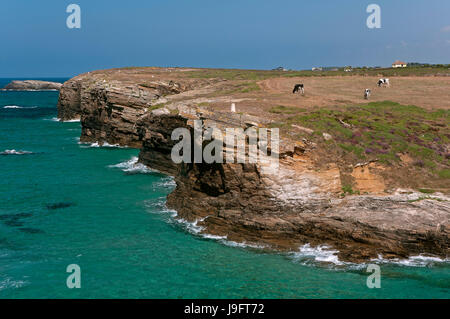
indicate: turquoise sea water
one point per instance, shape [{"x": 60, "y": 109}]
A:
[{"x": 68, "y": 203}]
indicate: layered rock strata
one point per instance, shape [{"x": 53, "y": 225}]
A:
[{"x": 279, "y": 208}]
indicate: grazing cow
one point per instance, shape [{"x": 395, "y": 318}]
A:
[
  {"x": 367, "y": 93},
  {"x": 384, "y": 82},
  {"x": 299, "y": 87}
]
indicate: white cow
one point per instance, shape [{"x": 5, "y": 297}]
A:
[
  {"x": 299, "y": 88},
  {"x": 384, "y": 81},
  {"x": 367, "y": 93}
]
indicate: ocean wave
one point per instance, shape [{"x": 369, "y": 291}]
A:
[
  {"x": 132, "y": 166},
  {"x": 10, "y": 283},
  {"x": 307, "y": 255},
  {"x": 413, "y": 261},
  {"x": 191, "y": 227},
  {"x": 55, "y": 119},
  {"x": 166, "y": 182},
  {"x": 158, "y": 206},
  {"x": 195, "y": 229},
  {"x": 323, "y": 254},
  {"x": 19, "y": 107},
  {"x": 320, "y": 254},
  {"x": 97, "y": 144},
  {"x": 14, "y": 152}
]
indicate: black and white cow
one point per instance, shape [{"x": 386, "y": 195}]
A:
[
  {"x": 299, "y": 88},
  {"x": 367, "y": 93},
  {"x": 384, "y": 82}
]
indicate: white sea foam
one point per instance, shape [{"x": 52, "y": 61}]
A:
[
  {"x": 319, "y": 254},
  {"x": 191, "y": 227},
  {"x": 413, "y": 261},
  {"x": 326, "y": 255},
  {"x": 239, "y": 245},
  {"x": 14, "y": 152},
  {"x": 19, "y": 107},
  {"x": 166, "y": 182},
  {"x": 194, "y": 228},
  {"x": 158, "y": 206},
  {"x": 307, "y": 255},
  {"x": 55, "y": 119},
  {"x": 10, "y": 283},
  {"x": 97, "y": 144},
  {"x": 132, "y": 166},
  {"x": 70, "y": 121}
]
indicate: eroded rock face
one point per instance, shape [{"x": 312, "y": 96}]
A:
[
  {"x": 282, "y": 208},
  {"x": 295, "y": 205},
  {"x": 109, "y": 110},
  {"x": 34, "y": 85},
  {"x": 69, "y": 101}
]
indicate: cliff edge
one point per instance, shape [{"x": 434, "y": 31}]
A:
[{"x": 306, "y": 200}]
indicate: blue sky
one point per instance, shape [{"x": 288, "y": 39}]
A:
[{"x": 263, "y": 34}]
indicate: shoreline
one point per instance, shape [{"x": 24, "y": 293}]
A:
[
  {"x": 307, "y": 255},
  {"x": 242, "y": 202}
]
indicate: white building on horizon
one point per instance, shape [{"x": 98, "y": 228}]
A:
[{"x": 399, "y": 64}]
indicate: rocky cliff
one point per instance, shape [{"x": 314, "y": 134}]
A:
[
  {"x": 32, "y": 85},
  {"x": 300, "y": 202}
]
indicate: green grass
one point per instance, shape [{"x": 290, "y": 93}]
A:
[
  {"x": 381, "y": 130},
  {"x": 245, "y": 87},
  {"x": 445, "y": 173},
  {"x": 156, "y": 106},
  {"x": 258, "y": 75},
  {"x": 426, "y": 191},
  {"x": 348, "y": 190},
  {"x": 281, "y": 109},
  {"x": 249, "y": 87},
  {"x": 233, "y": 74},
  {"x": 426, "y": 197}
]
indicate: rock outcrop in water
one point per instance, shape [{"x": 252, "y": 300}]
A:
[
  {"x": 282, "y": 209},
  {"x": 32, "y": 85}
]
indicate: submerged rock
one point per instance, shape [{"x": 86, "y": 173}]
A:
[
  {"x": 13, "y": 223},
  {"x": 29, "y": 230},
  {"x": 61, "y": 205}
]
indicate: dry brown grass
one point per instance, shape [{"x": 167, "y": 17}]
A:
[{"x": 427, "y": 92}]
